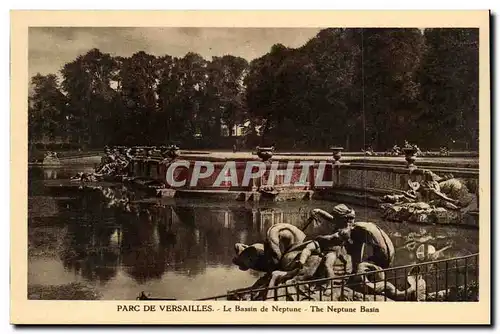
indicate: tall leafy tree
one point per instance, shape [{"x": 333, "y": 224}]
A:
[
  {"x": 225, "y": 93},
  {"x": 138, "y": 91},
  {"x": 449, "y": 78},
  {"x": 336, "y": 55},
  {"x": 264, "y": 90},
  {"x": 391, "y": 58},
  {"x": 47, "y": 109},
  {"x": 310, "y": 95},
  {"x": 86, "y": 80},
  {"x": 189, "y": 76},
  {"x": 167, "y": 89}
]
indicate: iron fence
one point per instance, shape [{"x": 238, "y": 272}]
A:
[{"x": 455, "y": 279}]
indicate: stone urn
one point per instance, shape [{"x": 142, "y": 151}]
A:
[
  {"x": 265, "y": 153},
  {"x": 172, "y": 152},
  {"x": 337, "y": 154},
  {"x": 156, "y": 154},
  {"x": 149, "y": 152},
  {"x": 132, "y": 151},
  {"x": 410, "y": 156},
  {"x": 140, "y": 152}
]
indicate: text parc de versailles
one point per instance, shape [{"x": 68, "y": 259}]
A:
[{"x": 238, "y": 308}]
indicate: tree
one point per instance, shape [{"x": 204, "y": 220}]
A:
[
  {"x": 336, "y": 55},
  {"x": 86, "y": 81},
  {"x": 263, "y": 95},
  {"x": 391, "y": 58},
  {"x": 183, "y": 93},
  {"x": 47, "y": 109},
  {"x": 139, "y": 79},
  {"x": 225, "y": 93},
  {"x": 309, "y": 95},
  {"x": 167, "y": 89},
  {"x": 450, "y": 87}
]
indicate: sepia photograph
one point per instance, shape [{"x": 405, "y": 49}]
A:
[{"x": 335, "y": 164}]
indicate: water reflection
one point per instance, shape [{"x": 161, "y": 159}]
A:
[
  {"x": 87, "y": 250},
  {"x": 37, "y": 176},
  {"x": 63, "y": 172},
  {"x": 181, "y": 244},
  {"x": 50, "y": 173}
]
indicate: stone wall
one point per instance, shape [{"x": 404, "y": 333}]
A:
[
  {"x": 360, "y": 176},
  {"x": 351, "y": 183},
  {"x": 354, "y": 177}
]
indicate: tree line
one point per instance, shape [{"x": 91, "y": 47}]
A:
[{"x": 349, "y": 87}]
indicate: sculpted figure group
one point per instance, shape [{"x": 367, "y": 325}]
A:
[
  {"x": 430, "y": 200},
  {"x": 116, "y": 161},
  {"x": 51, "y": 158},
  {"x": 288, "y": 256},
  {"x": 397, "y": 150}
]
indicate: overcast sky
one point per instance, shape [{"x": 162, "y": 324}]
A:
[{"x": 51, "y": 48}]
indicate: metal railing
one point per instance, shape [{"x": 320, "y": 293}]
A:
[{"x": 455, "y": 279}]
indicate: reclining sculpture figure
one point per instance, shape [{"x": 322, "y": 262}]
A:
[
  {"x": 429, "y": 200},
  {"x": 416, "y": 290}
]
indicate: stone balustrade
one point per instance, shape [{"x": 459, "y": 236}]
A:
[
  {"x": 331, "y": 177},
  {"x": 359, "y": 176}
]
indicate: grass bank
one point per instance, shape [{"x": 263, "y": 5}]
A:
[{"x": 71, "y": 291}]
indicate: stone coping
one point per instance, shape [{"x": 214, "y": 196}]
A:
[
  {"x": 468, "y": 154},
  {"x": 457, "y": 172},
  {"x": 442, "y": 168},
  {"x": 420, "y": 162},
  {"x": 471, "y": 162},
  {"x": 466, "y": 161}
]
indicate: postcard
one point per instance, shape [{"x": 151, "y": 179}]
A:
[{"x": 250, "y": 167}]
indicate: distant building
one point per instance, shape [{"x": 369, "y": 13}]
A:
[{"x": 237, "y": 130}]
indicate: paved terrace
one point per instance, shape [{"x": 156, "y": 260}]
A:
[{"x": 456, "y": 159}]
